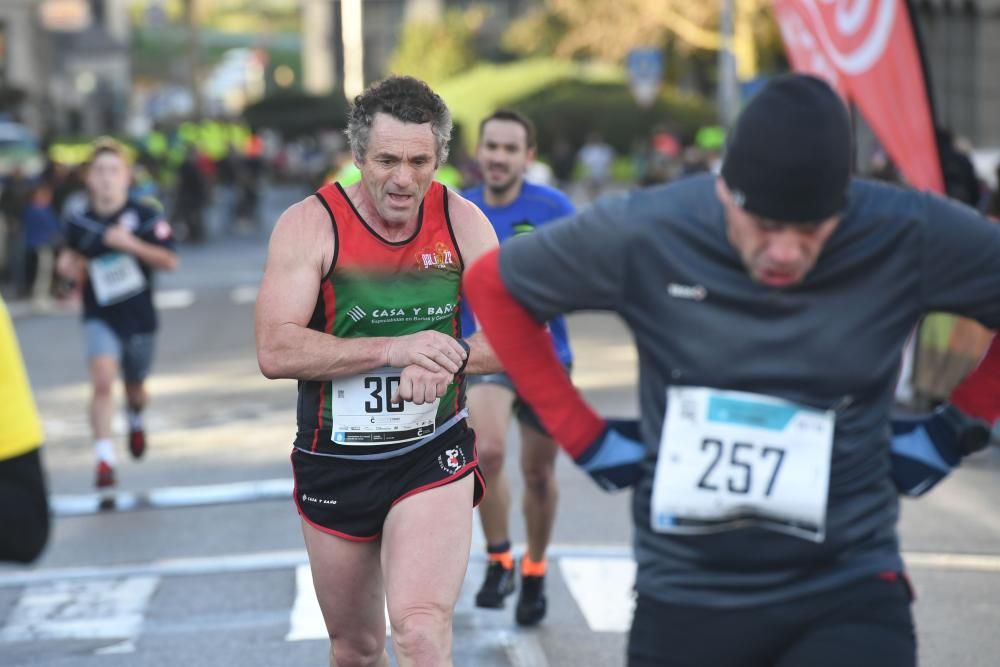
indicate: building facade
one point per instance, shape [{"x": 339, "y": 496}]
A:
[
  {"x": 961, "y": 40},
  {"x": 58, "y": 74}
]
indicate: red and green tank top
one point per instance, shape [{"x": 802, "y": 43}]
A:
[{"x": 377, "y": 287}]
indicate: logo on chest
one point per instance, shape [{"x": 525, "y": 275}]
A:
[
  {"x": 377, "y": 315},
  {"x": 440, "y": 256},
  {"x": 689, "y": 292}
]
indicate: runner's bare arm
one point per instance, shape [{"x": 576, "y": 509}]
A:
[
  {"x": 70, "y": 264},
  {"x": 299, "y": 255},
  {"x": 119, "y": 237},
  {"x": 475, "y": 236}
]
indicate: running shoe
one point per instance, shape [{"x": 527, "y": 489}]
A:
[
  {"x": 105, "y": 478},
  {"x": 499, "y": 583},
  {"x": 137, "y": 443},
  {"x": 531, "y": 603}
]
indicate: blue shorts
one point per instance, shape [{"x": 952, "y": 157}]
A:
[
  {"x": 134, "y": 353},
  {"x": 521, "y": 410}
]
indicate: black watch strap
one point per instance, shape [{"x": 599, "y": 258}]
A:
[{"x": 468, "y": 353}]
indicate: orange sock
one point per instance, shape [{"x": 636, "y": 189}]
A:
[
  {"x": 505, "y": 558},
  {"x": 530, "y": 568}
]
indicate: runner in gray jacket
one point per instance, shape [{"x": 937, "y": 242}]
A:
[{"x": 769, "y": 306}]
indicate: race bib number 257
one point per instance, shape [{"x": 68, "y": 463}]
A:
[{"x": 734, "y": 459}]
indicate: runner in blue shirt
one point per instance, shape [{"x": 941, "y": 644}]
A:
[{"x": 514, "y": 207}]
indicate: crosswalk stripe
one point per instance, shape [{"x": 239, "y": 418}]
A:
[
  {"x": 602, "y": 589},
  {"x": 244, "y": 294},
  {"x": 95, "y": 609},
  {"x": 306, "y": 619},
  {"x": 173, "y": 299}
]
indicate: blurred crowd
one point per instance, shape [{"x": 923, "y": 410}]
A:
[
  {"x": 209, "y": 181},
  {"x": 962, "y": 182}
]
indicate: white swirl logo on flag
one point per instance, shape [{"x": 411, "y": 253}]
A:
[
  {"x": 806, "y": 52},
  {"x": 858, "y": 33}
]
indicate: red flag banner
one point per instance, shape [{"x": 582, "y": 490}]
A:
[{"x": 867, "y": 50}]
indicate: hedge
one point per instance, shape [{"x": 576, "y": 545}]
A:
[{"x": 573, "y": 109}]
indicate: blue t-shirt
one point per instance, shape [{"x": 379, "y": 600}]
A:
[{"x": 534, "y": 207}]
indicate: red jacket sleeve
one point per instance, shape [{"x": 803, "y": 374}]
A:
[
  {"x": 526, "y": 352},
  {"x": 978, "y": 395}
]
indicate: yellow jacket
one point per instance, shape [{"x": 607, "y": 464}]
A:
[{"x": 20, "y": 427}]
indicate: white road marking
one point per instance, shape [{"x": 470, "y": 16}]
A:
[
  {"x": 127, "y": 646},
  {"x": 253, "y": 562},
  {"x": 602, "y": 588},
  {"x": 306, "y": 619},
  {"x": 95, "y": 609},
  {"x": 175, "y": 496},
  {"x": 523, "y": 649},
  {"x": 244, "y": 294},
  {"x": 619, "y": 555},
  {"x": 173, "y": 299},
  {"x": 258, "y": 562},
  {"x": 944, "y": 561}
]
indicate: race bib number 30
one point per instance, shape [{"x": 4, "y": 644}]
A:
[
  {"x": 363, "y": 413},
  {"x": 115, "y": 277},
  {"x": 733, "y": 459}
]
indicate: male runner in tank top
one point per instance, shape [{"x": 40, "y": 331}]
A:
[{"x": 360, "y": 303}]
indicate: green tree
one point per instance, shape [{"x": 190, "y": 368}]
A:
[{"x": 436, "y": 51}]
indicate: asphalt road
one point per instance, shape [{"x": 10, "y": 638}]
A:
[{"x": 204, "y": 563}]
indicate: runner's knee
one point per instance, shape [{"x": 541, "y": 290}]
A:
[
  {"x": 422, "y": 632},
  {"x": 103, "y": 385},
  {"x": 491, "y": 455},
  {"x": 539, "y": 479},
  {"x": 364, "y": 650}
]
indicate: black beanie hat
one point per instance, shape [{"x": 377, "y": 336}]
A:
[{"x": 789, "y": 156}]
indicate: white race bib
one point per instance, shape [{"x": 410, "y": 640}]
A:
[
  {"x": 732, "y": 459},
  {"x": 115, "y": 277},
  {"x": 363, "y": 415}
]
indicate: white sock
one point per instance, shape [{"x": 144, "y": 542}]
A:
[
  {"x": 134, "y": 420},
  {"x": 105, "y": 451}
]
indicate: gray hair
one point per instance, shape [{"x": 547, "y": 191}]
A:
[{"x": 404, "y": 98}]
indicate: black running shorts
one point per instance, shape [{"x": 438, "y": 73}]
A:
[
  {"x": 866, "y": 623},
  {"x": 351, "y": 498}
]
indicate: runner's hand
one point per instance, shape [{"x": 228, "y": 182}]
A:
[
  {"x": 432, "y": 350},
  {"x": 419, "y": 385},
  {"x": 613, "y": 459},
  {"x": 118, "y": 237},
  {"x": 924, "y": 450}
]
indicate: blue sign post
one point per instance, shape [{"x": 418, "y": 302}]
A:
[{"x": 645, "y": 74}]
